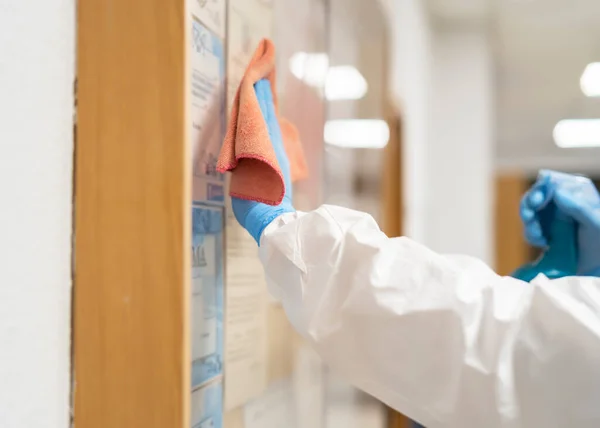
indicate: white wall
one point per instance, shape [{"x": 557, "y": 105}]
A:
[
  {"x": 460, "y": 150},
  {"x": 410, "y": 81},
  {"x": 557, "y": 44},
  {"x": 36, "y": 152},
  {"x": 442, "y": 80}
]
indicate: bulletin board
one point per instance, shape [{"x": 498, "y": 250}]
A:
[
  {"x": 249, "y": 369},
  {"x": 173, "y": 325}
]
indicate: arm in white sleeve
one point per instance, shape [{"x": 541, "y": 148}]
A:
[{"x": 442, "y": 339}]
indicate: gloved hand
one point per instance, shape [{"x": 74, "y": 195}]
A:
[
  {"x": 574, "y": 197},
  {"x": 256, "y": 216}
]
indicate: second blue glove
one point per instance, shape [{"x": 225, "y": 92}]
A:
[{"x": 576, "y": 198}]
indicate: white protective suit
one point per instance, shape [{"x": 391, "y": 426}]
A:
[{"x": 441, "y": 338}]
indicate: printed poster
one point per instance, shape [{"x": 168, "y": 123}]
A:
[
  {"x": 211, "y": 13},
  {"x": 208, "y": 120},
  {"x": 207, "y": 294},
  {"x": 208, "y": 94},
  {"x": 207, "y": 406},
  {"x": 249, "y": 22},
  {"x": 246, "y": 319}
]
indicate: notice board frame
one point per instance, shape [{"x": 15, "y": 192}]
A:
[{"x": 132, "y": 216}]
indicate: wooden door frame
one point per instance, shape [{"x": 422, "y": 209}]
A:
[
  {"x": 393, "y": 206},
  {"x": 132, "y": 216},
  {"x": 511, "y": 249}
]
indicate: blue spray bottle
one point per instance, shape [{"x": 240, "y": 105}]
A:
[{"x": 559, "y": 259}]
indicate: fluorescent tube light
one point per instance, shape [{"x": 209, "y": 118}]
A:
[
  {"x": 577, "y": 133},
  {"x": 590, "y": 80},
  {"x": 357, "y": 133},
  {"x": 343, "y": 82}
]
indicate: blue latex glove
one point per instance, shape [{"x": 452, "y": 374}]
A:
[
  {"x": 573, "y": 197},
  {"x": 256, "y": 216}
]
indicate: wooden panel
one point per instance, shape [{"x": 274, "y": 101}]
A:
[
  {"x": 392, "y": 201},
  {"x": 396, "y": 420},
  {"x": 132, "y": 216},
  {"x": 391, "y": 183},
  {"x": 511, "y": 248}
]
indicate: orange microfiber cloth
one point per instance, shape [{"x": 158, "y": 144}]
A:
[{"x": 247, "y": 150}]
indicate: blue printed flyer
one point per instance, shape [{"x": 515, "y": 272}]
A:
[
  {"x": 208, "y": 113},
  {"x": 207, "y": 406},
  {"x": 207, "y": 294}
]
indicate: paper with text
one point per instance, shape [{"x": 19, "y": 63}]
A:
[{"x": 207, "y": 406}]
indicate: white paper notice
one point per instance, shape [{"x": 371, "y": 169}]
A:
[
  {"x": 273, "y": 409},
  {"x": 249, "y": 22},
  {"x": 211, "y": 13},
  {"x": 207, "y": 111},
  {"x": 245, "y": 319},
  {"x": 207, "y": 406},
  {"x": 207, "y": 294},
  {"x": 309, "y": 393}
]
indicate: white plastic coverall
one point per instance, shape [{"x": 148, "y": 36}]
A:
[{"x": 441, "y": 338}]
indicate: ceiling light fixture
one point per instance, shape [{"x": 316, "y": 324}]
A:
[
  {"x": 310, "y": 67},
  {"x": 343, "y": 82},
  {"x": 357, "y": 133},
  {"x": 577, "y": 133},
  {"x": 590, "y": 80}
]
